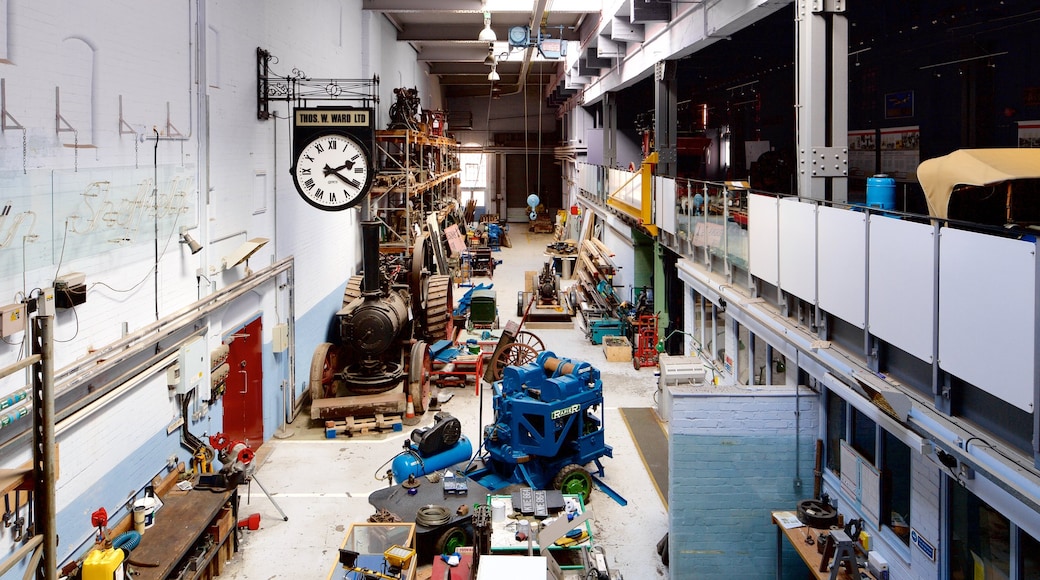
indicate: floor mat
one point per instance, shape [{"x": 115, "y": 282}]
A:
[{"x": 652, "y": 444}]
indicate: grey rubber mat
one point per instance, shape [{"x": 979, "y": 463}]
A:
[{"x": 652, "y": 442}]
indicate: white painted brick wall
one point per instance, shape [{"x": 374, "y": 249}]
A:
[
  {"x": 143, "y": 52},
  {"x": 712, "y": 411}
]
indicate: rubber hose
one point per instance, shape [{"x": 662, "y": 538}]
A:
[{"x": 127, "y": 541}]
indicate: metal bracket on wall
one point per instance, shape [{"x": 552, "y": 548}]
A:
[
  {"x": 297, "y": 86},
  {"x": 124, "y": 127},
  {"x": 171, "y": 131},
  {"x": 14, "y": 124}
]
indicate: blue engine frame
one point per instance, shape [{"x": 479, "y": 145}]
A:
[{"x": 548, "y": 415}]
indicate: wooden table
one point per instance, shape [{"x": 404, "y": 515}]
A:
[
  {"x": 808, "y": 552},
  {"x": 185, "y": 518}
]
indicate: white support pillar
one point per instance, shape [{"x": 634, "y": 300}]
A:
[{"x": 822, "y": 106}]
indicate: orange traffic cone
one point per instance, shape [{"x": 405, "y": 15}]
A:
[{"x": 409, "y": 410}]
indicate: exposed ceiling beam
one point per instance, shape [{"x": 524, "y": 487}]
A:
[
  {"x": 468, "y": 33},
  {"x": 473, "y": 6}
]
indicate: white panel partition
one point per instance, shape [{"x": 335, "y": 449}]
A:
[
  {"x": 843, "y": 264},
  {"x": 763, "y": 258},
  {"x": 664, "y": 196},
  {"x": 901, "y": 292},
  {"x": 987, "y": 294},
  {"x": 798, "y": 248}
]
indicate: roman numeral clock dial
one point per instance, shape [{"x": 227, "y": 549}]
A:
[{"x": 332, "y": 172}]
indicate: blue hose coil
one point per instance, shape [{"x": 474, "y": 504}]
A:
[{"x": 127, "y": 541}]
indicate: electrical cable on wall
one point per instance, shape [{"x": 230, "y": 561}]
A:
[{"x": 155, "y": 208}]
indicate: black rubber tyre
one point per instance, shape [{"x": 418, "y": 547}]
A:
[
  {"x": 816, "y": 514},
  {"x": 574, "y": 479},
  {"x": 451, "y": 539}
]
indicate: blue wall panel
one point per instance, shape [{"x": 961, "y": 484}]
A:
[{"x": 720, "y": 512}]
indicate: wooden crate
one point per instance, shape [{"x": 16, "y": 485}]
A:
[{"x": 617, "y": 349}]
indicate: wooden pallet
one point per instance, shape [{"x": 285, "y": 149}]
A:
[{"x": 380, "y": 423}]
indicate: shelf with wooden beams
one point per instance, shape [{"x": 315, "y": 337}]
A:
[{"x": 415, "y": 172}]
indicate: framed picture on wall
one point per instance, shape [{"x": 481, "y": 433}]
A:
[{"x": 899, "y": 105}]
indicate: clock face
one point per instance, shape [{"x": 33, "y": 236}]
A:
[{"x": 332, "y": 172}]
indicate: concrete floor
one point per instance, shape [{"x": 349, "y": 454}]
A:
[{"x": 322, "y": 485}]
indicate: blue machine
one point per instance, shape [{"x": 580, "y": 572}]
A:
[
  {"x": 431, "y": 449},
  {"x": 548, "y": 426},
  {"x": 602, "y": 327}
]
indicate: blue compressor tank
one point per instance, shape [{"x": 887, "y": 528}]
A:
[{"x": 407, "y": 464}]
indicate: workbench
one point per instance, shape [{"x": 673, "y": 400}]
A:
[
  {"x": 809, "y": 552},
  {"x": 459, "y": 370},
  {"x": 198, "y": 526},
  {"x": 503, "y": 533},
  {"x": 397, "y": 500}
]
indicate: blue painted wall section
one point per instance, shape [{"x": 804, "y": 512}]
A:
[
  {"x": 313, "y": 328},
  {"x": 720, "y": 514},
  {"x": 733, "y": 459}
]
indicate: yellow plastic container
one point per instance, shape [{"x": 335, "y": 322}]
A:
[{"x": 103, "y": 565}]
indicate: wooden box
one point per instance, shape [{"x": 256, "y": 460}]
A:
[{"x": 617, "y": 349}]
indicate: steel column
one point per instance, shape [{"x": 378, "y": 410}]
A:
[
  {"x": 822, "y": 107},
  {"x": 44, "y": 513},
  {"x": 665, "y": 106}
]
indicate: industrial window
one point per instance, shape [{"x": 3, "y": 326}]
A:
[
  {"x": 1030, "y": 550},
  {"x": 835, "y": 430},
  {"x": 895, "y": 485},
  {"x": 986, "y": 544},
  {"x": 864, "y": 435},
  {"x": 980, "y": 538},
  {"x": 872, "y": 464}
]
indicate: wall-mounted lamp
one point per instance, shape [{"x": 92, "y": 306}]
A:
[
  {"x": 490, "y": 58},
  {"x": 193, "y": 245},
  {"x": 661, "y": 343},
  {"x": 243, "y": 252},
  {"x": 487, "y": 34},
  {"x": 493, "y": 75}
]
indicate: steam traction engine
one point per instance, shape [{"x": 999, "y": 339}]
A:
[{"x": 387, "y": 312}]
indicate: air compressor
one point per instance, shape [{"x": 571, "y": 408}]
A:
[{"x": 431, "y": 449}]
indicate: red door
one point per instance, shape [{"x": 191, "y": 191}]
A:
[{"x": 243, "y": 395}]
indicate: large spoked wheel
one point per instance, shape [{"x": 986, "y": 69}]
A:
[
  {"x": 451, "y": 540},
  {"x": 423, "y": 266},
  {"x": 513, "y": 354},
  {"x": 324, "y": 366},
  {"x": 530, "y": 339},
  {"x": 438, "y": 309},
  {"x": 420, "y": 365},
  {"x": 575, "y": 480}
]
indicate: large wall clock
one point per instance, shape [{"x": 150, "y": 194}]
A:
[{"x": 332, "y": 167}]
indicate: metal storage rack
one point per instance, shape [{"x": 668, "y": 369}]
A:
[{"x": 417, "y": 174}]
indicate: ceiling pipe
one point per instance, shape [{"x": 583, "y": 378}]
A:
[{"x": 536, "y": 25}]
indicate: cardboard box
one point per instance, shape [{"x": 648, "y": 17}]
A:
[{"x": 617, "y": 349}]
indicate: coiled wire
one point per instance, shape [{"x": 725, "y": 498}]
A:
[{"x": 432, "y": 516}]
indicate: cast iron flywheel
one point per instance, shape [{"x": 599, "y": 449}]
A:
[{"x": 816, "y": 514}]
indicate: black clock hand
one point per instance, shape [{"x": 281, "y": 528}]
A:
[
  {"x": 347, "y": 165},
  {"x": 353, "y": 182}
]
